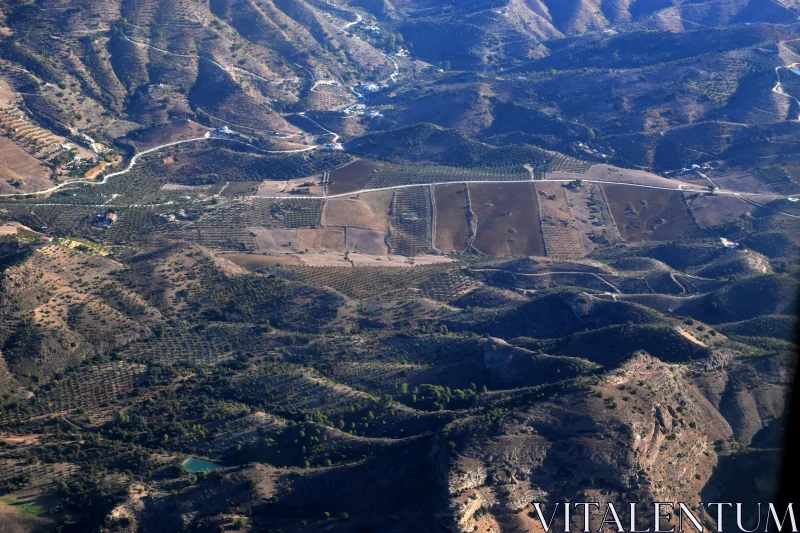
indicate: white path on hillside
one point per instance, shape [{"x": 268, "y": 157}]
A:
[
  {"x": 211, "y": 136},
  {"x": 358, "y": 19},
  {"x": 679, "y": 188},
  {"x": 538, "y": 274},
  {"x": 751, "y": 201},
  {"x": 396, "y": 73},
  {"x": 221, "y": 66},
  {"x": 739, "y": 194},
  {"x": 323, "y": 128},
  {"x": 132, "y": 163},
  {"x": 106, "y": 177},
  {"x": 778, "y": 88},
  {"x": 784, "y": 6}
]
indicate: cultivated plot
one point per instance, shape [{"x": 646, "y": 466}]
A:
[
  {"x": 508, "y": 219},
  {"x": 352, "y": 177},
  {"x": 649, "y": 214},
  {"x": 451, "y": 217}
]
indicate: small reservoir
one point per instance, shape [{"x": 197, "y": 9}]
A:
[{"x": 194, "y": 464}]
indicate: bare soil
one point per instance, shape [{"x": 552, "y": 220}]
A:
[
  {"x": 617, "y": 175},
  {"x": 21, "y": 167},
  {"x": 649, "y": 214},
  {"x": 739, "y": 180},
  {"x": 240, "y": 188},
  {"x": 452, "y": 228},
  {"x": 366, "y": 241},
  {"x": 365, "y": 211},
  {"x": 271, "y": 240},
  {"x": 153, "y": 137},
  {"x": 352, "y": 177},
  {"x": 713, "y": 210},
  {"x": 321, "y": 239},
  {"x": 253, "y": 262},
  {"x": 508, "y": 219},
  {"x": 7, "y": 94},
  {"x": 592, "y": 216},
  {"x": 278, "y": 188}
]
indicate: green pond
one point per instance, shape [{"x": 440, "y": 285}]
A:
[{"x": 194, "y": 464}]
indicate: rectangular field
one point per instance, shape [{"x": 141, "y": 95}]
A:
[
  {"x": 365, "y": 241},
  {"x": 451, "y": 229},
  {"x": 389, "y": 175},
  {"x": 562, "y": 239},
  {"x": 369, "y": 210},
  {"x": 508, "y": 219},
  {"x": 410, "y": 221},
  {"x": 592, "y": 216},
  {"x": 352, "y": 177},
  {"x": 649, "y": 214}
]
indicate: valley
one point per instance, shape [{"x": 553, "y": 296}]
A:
[{"x": 371, "y": 266}]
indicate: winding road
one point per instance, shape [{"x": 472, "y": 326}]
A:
[
  {"x": 132, "y": 163},
  {"x": 212, "y": 136},
  {"x": 778, "y": 88},
  {"x": 358, "y": 19}
]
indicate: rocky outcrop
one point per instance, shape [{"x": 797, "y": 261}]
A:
[{"x": 643, "y": 430}]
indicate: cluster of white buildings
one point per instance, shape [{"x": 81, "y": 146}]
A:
[
  {"x": 360, "y": 110},
  {"x": 593, "y": 151}
]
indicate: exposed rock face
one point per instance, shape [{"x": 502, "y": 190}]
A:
[{"x": 643, "y": 432}]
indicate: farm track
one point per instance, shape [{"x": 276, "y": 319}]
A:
[
  {"x": 778, "y": 88},
  {"x": 335, "y": 137},
  {"x": 191, "y": 56},
  {"x": 740, "y": 194},
  {"x": 542, "y": 274}
]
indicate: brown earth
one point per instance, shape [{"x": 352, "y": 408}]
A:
[
  {"x": 352, "y": 177},
  {"x": 649, "y": 214},
  {"x": 7, "y": 94},
  {"x": 253, "y": 262},
  {"x": 240, "y": 188},
  {"x": 713, "y": 210},
  {"x": 508, "y": 219},
  {"x": 365, "y": 211},
  {"x": 19, "y": 166},
  {"x": 163, "y": 134},
  {"x": 452, "y": 229},
  {"x": 280, "y": 188},
  {"x": 616, "y": 175},
  {"x": 321, "y": 239},
  {"x": 740, "y": 180},
  {"x": 366, "y": 241},
  {"x": 275, "y": 240},
  {"x": 590, "y": 210}
]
